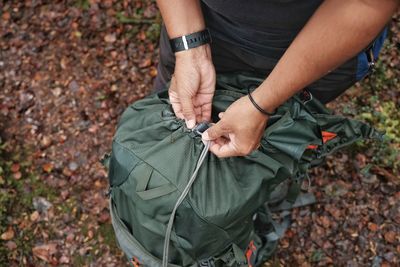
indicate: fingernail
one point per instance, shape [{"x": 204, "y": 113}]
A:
[
  {"x": 205, "y": 136},
  {"x": 190, "y": 123}
]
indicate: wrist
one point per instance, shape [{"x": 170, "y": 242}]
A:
[
  {"x": 201, "y": 53},
  {"x": 264, "y": 101}
]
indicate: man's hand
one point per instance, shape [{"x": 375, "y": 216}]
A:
[
  {"x": 193, "y": 85},
  {"x": 239, "y": 130}
]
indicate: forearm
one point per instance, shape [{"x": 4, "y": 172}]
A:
[
  {"x": 181, "y": 17},
  {"x": 336, "y": 32}
]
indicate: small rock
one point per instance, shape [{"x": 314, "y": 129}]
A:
[
  {"x": 73, "y": 166},
  {"x": 41, "y": 204}
]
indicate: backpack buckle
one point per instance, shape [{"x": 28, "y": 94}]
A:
[
  {"x": 201, "y": 128},
  {"x": 207, "y": 263},
  {"x": 305, "y": 96}
]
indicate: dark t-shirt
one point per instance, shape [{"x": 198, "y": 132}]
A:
[{"x": 253, "y": 35}]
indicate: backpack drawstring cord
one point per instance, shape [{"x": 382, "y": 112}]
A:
[{"x": 180, "y": 200}]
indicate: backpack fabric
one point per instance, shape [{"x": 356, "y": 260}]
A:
[{"x": 236, "y": 209}]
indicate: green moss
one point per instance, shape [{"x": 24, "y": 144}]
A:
[
  {"x": 107, "y": 232},
  {"x": 16, "y": 196}
]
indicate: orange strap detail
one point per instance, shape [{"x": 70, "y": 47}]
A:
[
  {"x": 326, "y": 136},
  {"x": 135, "y": 262},
  {"x": 250, "y": 250}
]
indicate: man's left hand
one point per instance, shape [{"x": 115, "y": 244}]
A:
[{"x": 239, "y": 130}]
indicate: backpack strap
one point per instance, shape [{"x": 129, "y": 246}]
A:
[{"x": 233, "y": 257}]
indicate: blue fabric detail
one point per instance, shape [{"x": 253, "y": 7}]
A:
[{"x": 362, "y": 61}]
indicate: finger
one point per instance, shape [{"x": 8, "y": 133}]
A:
[
  {"x": 225, "y": 150},
  {"x": 177, "y": 110},
  {"x": 174, "y": 100},
  {"x": 221, "y": 114},
  {"x": 206, "y": 112},
  {"x": 197, "y": 111},
  {"x": 215, "y": 131},
  {"x": 188, "y": 110}
]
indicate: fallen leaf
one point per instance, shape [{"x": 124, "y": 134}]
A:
[
  {"x": 325, "y": 221},
  {"x": 64, "y": 259},
  {"x": 145, "y": 63},
  {"x": 46, "y": 141},
  {"x": 34, "y": 216},
  {"x": 47, "y": 167},
  {"x": 15, "y": 167},
  {"x": 45, "y": 251},
  {"x": 110, "y": 38},
  {"x": 8, "y": 235},
  {"x": 390, "y": 236},
  {"x": 153, "y": 72},
  {"x": 17, "y": 175},
  {"x": 11, "y": 245},
  {"x": 373, "y": 227},
  {"x": 6, "y": 16}
]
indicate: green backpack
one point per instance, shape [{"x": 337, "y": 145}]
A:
[{"x": 175, "y": 204}]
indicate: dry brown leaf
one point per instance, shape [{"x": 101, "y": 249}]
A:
[
  {"x": 373, "y": 227},
  {"x": 15, "y": 167},
  {"x": 45, "y": 251},
  {"x": 10, "y": 245},
  {"x": 17, "y": 175},
  {"x": 110, "y": 38},
  {"x": 390, "y": 236},
  {"x": 34, "y": 216},
  {"x": 47, "y": 167},
  {"x": 8, "y": 235},
  {"x": 145, "y": 63},
  {"x": 6, "y": 16}
]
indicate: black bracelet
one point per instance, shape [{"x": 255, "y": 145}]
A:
[{"x": 257, "y": 106}]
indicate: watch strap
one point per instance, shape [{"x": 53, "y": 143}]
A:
[{"x": 189, "y": 41}]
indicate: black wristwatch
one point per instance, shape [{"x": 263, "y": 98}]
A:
[{"x": 189, "y": 41}]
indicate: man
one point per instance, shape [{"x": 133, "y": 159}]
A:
[{"x": 294, "y": 43}]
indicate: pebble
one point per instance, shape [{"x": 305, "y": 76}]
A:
[{"x": 73, "y": 166}]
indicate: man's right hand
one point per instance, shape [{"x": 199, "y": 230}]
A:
[{"x": 193, "y": 85}]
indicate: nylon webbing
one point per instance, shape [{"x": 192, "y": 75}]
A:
[{"x": 180, "y": 200}]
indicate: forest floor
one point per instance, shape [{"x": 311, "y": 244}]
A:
[{"x": 68, "y": 69}]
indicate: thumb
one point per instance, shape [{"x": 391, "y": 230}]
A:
[
  {"x": 188, "y": 111},
  {"x": 214, "y": 132}
]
